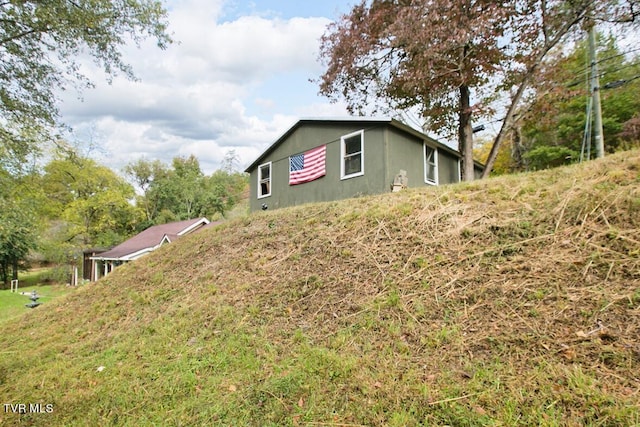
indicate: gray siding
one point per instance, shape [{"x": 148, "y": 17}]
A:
[
  {"x": 405, "y": 152},
  {"x": 331, "y": 186},
  {"x": 448, "y": 168},
  {"x": 388, "y": 148}
]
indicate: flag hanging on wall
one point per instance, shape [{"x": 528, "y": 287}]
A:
[{"x": 307, "y": 166}]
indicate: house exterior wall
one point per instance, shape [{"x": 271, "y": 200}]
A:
[
  {"x": 91, "y": 267},
  {"x": 405, "y": 152},
  {"x": 477, "y": 171},
  {"x": 331, "y": 186},
  {"x": 448, "y": 168},
  {"x": 387, "y": 150}
]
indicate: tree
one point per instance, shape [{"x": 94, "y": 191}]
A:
[
  {"x": 544, "y": 28},
  {"x": 223, "y": 190},
  {"x": 90, "y": 199},
  {"x": 187, "y": 185},
  {"x": 18, "y": 233},
  {"x": 504, "y": 163},
  {"x": 417, "y": 53},
  {"x": 18, "y": 225},
  {"x": 439, "y": 55},
  {"x": 145, "y": 174},
  {"x": 41, "y": 41},
  {"x": 631, "y": 130},
  {"x": 20, "y": 201},
  {"x": 182, "y": 191},
  {"x": 553, "y": 117}
]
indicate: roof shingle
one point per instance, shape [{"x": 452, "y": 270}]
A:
[{"x": 150, "y": 238}]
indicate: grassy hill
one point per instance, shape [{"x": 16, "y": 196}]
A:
[{"x": 510, "y": 301}]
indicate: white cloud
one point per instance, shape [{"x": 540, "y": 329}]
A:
[
  {"x": 234, "y": 84},
  {"x": 253, "y": 48}
]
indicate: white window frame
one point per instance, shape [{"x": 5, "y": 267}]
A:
[
  {"x": 343, "y": 150},
  {"x": 260, "y": 195},
  {"x": 434, "y": 164}
]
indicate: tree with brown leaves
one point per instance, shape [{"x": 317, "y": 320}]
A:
[{"x": 450, "y": 58}]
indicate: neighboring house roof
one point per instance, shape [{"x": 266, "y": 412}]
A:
[
  {"x": 387, "y": 121},
  {"x": 150, "y": 239},
  {"x": 212, "y": 224},
  {"x": 94, "y": 251}
]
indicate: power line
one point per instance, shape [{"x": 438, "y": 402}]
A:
[
  {"x": 587, "y": 67},
  {"x": 604, "y": 73},
  {"x": 618, "y": 83}
]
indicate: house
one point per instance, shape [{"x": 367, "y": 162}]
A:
[
  {"x": 89, "y": 272},
  {"x": 102, "y": 262},
  {"x": 329, "y": 159}
]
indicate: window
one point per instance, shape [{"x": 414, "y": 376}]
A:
[
  {"x": 352, "y": 152},
  {"x": 430, "y": 165},
  {"x": 264, "y": 180}
]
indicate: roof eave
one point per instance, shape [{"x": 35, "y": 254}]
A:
[
  {"x": 272, "y": 147},
  {"x": 128, "y": 257},
  {"x": 201, "y": 222}
]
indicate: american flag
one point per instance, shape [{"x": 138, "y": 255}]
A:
[{"x": 307, "y": 166}]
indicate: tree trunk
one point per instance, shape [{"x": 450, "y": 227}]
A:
[
  {"x": 4, "y": 277},
  {"x": 517, "y": 150},
  {"x": 14, "y": 267},
  {"x": 506, "y": 124},
  {"x": 465, "y": 134},
  {"x": 548, "y": 45}
]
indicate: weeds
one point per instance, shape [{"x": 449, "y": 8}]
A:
[{"x": 512, "y": 301}]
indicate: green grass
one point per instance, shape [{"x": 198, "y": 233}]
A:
[
  {"x": 12, "y": 304},
  {"x": 512, "y": 301}
]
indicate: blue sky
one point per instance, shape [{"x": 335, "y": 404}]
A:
[
  {"x": 237, "y": 78},
  {"x": 286, "y": 9}
]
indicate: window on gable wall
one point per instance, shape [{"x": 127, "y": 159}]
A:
[
  {"x": 430, "y": 165},
  {"x": 264, "y": 180},
  {"x": 352, "y": 152}
]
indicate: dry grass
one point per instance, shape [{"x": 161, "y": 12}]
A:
[{"x": 508, "y": 301}]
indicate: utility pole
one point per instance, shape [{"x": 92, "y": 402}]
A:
[{"x": 595, "y": 94}]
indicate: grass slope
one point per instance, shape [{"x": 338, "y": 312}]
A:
[{"x": 500, "y": 302}]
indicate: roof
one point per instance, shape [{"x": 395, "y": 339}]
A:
[
  {"x": 387, "y": 121},
  {"x": 213, "y": 224},
  {"x": 151, "y": 238}
]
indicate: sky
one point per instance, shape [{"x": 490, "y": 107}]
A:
[{"x": 236, "y": 78}]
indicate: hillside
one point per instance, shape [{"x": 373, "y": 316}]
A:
[{"x": 510, "y": 301}]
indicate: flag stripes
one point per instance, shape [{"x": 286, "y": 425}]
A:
[{"x": 307, "y": 166}]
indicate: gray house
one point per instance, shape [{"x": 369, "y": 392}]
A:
[{"x": 329, "y": 159}]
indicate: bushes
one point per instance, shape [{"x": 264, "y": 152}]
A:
[{"x": 549, "y": 157}]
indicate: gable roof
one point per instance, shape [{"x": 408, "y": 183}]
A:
[
  {"x": 368, "y": 120},
  {"x": 150, "y": 239}
]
